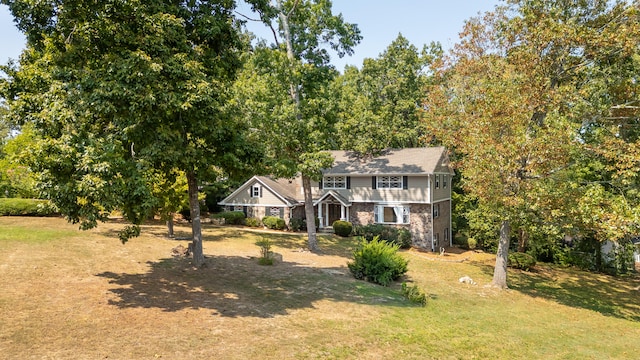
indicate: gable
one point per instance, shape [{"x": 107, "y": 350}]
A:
[{"x": 260, "y": 190}]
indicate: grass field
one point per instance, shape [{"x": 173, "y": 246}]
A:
[{"x": 68, "y": 294}]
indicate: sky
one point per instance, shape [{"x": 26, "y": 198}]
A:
[{"x": 379, "y": 21}]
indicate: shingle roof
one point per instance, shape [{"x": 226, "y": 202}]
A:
[
  {"x": 410, "y": 161},
  {"x": 283, "y": 187}
]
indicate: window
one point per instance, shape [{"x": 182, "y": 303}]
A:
[
  {"x": 389, "y": 214},
  {"x": 445, "y": 179},
  {"x": 238, "y": 208},
  {"x": 437, "y": 181},
  {"x": 255, "y": 191},
  {"x": 436, "y": 210},
  {"x": 334, "y": 182},
  {"x": 274, "y": 211},
  {"x": 446, "y": 236},
  {"x": 389, "y": 182},
  {"x": 436, "y": 240}
]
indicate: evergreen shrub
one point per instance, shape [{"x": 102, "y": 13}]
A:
[
  {"x": 274, "y": 223},
  {"x": 390, "y": 234},
  {"x": 378, "y": 262},
  {"x": 253, "y": 222},
  {"x": 26, "y": 207},
  {"x": 342, "y": 228},
  {"x": 414, "y": 294},
  {"x": 231, "y": 217}
]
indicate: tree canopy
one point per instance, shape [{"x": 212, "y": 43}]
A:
[
  {"x": 120, "y": 88},
  {"x": 525, "y": 102}
]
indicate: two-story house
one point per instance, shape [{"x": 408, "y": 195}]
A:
[{"x": 406, "y": 188}]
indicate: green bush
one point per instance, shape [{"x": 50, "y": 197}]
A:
[
  {"x": 231, "y": 217},
  {"x": 414, "y": 294},
  {"x": 297, "y": 224},
  {"x": 253, "y": 222},
  {"x": 26, "y": 207},
  {"x": 472, "y": 243},
  {"x": 342, "y": 228},
  {"x": 275, "y": 223},
  {"x": 266, "y": 256},
  {"x": 521, "y": 260},
  {"x": 378, "y": 262},
  {"x": 390, "y": 234}
]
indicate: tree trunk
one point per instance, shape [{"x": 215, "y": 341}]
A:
[
  {"x": 523, "y": 241},
  {"x": 170, "y": 226},
  {"x": 196, "y": 228},
  {"x": 500, "y": 271},
  {"x": 309, "y": 213},
  {"x": 295, "y": 96}
]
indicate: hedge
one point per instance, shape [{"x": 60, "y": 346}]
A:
[{"x": 26, "y": 207}]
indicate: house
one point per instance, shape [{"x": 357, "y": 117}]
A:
[{"x": 408, "y": 188}]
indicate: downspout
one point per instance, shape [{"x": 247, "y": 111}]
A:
[{"x": 432, "y": 218}]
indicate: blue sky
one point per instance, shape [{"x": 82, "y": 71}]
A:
[{"x": 380, "y": 21}]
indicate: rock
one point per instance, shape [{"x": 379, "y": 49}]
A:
[
  {"x": 180, "y": 251},
  {"x": 466, "y": 280}
]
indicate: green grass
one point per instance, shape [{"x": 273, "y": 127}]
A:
[{"x": 72, "y": 294}]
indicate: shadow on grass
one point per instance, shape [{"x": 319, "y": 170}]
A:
[
  {"x": 234, "y": 286},
  {"x": 608, "y": 295}
]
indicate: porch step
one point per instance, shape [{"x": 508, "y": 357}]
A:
[{"x": 326, "y": 230}]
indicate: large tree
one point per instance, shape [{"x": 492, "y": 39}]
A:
[
  {"x": 119, "y": 89},
  {"x": 518, "y": 103},
  {"x": 286, "y": 89},
  {"x": 380, "y": 103}
]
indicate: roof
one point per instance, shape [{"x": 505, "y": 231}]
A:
[
  {"x": 409, "y": 161},
  {"x": 282, "y": 188}
]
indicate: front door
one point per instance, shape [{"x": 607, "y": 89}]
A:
[{"x": 334, "y": 213}]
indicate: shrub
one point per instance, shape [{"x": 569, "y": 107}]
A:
[
  {"x": 521, "y": 260},
  {"x": 274, "y": 223},
  {"x": 378, "y": 262},
  {"x": 253, "y": 222},
  {"x": 471, "y": 243},
  {"x": 26, "y": 207},
  {"x": 342, "y": 228},
  {"x": 297, "y": 224},
  {"x": 231, "y": 217},
  {"x": 390, "y": 234},
  {"x": 414, "y": 294},
  {"x": 266, "y": 256}
]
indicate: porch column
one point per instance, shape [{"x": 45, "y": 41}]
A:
[
  {"x": 319, "y": 215},
  {"x": 342, "y": 213}
]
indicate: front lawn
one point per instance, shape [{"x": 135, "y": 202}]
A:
[{"x": 71, "y": 294}]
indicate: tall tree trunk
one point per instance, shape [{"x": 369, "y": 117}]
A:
[
  {"x": 170, "y": 225},
  {"x": 523, "y": 241},
  {"x": 309, "y": 213},
  {"x": 196, "y": 228},
  {"x": 295, "y": 96},
  {"x": 500, "y": 271}
]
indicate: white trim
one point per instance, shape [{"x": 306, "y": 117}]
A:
[
  {"x": 244, "y": 187},
  {"x": 324, "y": 182},
  {"x": 400, "y": 202},
  {"x": 259, "y": 205}
]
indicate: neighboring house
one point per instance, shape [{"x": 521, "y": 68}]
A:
[{"x": 408, "y": 188}]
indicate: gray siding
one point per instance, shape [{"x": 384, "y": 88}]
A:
[
  {"x": 268, "y": 198},
  {"x": 362, "y": 191}
]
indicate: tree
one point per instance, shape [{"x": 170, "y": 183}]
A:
[
  {"x": 119, "y": 90},
  {"x": 289, "y": 83},
  {"x": 512, "y": 106},
  {"x": 380, "y": 104}
]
